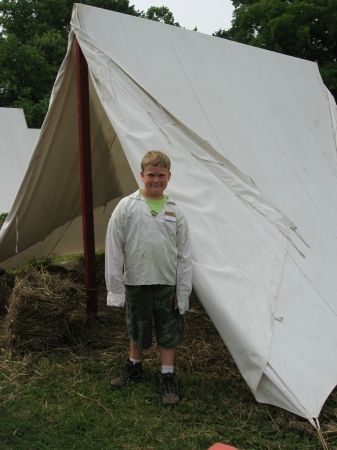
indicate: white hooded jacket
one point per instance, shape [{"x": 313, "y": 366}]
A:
[{"x": 142, "y": 250}]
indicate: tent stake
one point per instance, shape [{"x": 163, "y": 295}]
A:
[{"x": 86, "y": 179}]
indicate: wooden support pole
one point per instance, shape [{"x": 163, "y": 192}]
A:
[{"x": 86, "y": 179}]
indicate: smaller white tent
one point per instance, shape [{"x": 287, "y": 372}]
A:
[
  {"x": 252, "y": 139},
  {"x": 16, "y": 145}
]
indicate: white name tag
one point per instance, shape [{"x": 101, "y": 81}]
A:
[{"x": 170, "y": 218}]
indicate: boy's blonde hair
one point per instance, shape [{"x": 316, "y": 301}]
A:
[{"x": 155, "y": 158}]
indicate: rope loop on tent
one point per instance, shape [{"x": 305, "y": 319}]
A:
[
  {"x": 290, "y": 240},
  {"x": 297, "y": 234}
]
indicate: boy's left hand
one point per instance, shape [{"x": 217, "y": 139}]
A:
[{"x": 175, "y": 302}]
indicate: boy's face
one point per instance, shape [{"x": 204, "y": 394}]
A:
[{"x": 155, "y": 179}]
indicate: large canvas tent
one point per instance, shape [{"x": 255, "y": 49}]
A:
[
  {"x": 252, "y": 139},
  {"x": 16, "y": 145}
]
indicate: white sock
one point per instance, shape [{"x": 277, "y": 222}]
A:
[
  {"x": 167, "y": 369},
  {"x": 135, "y": 361}
]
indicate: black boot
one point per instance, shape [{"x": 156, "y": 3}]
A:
[
  {"x": 132, "y": 372},
  {"x": 169, "y": 389}
]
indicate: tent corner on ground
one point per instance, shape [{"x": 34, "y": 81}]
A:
[{"x": 252, "y": 139}]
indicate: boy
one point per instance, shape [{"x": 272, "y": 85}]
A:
[{"x": 148, "y": 236}]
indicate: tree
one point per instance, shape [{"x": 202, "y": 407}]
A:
[
  {"x": 302, "y": 28},
  {"x": 33, "y": 43},
  {"x": 160, "y": 14}
]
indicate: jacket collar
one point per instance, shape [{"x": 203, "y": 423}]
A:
[{"x": 138, "y": 196}]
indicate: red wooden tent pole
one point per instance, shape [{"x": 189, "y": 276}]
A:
[{"x": 86, "y": 179}]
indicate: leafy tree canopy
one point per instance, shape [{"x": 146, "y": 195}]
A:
[
  {"x": 33, "y": 42},
  {"x": 302, "y": 28},
  {"x": 160, "y": 14},
  {"x": 27, "y": 18}
]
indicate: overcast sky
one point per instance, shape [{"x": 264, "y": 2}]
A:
[{"x": 208, "y": 15}]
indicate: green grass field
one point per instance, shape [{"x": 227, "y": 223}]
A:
[{"x": 59, "y": 397}]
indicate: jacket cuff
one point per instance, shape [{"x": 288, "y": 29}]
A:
[{"x": 116, "y": 299}]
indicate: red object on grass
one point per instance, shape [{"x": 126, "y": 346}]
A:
[{"x": 219, "y": 446}]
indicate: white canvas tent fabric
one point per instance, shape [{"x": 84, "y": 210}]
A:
[
  {"x": 16, "y": 145},
  {"x": 33, "y": 134},
  {"x": 251, "y": 138}
]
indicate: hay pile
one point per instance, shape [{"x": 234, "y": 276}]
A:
[
  {"x": 5, "y": 291},
  {"x": 41, "y": 311},
  {"x": 47, "y": 311}
]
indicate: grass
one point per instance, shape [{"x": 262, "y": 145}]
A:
[
  {"x": 53, "y": 402},
  {"x": 61, "y": 399}
]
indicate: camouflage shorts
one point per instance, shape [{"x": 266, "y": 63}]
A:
[{"x": 155, "y": 301}]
